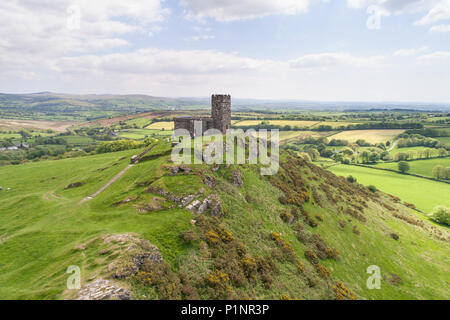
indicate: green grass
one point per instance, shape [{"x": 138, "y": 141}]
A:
[
  {"x": 140, "y": 134},
  {"x": 414, "y": 150},
  {"x": 425, "y": 194},
  {"x": 4, "y": 136},
  {"x": 373, "y": 135},
  {"x": 41, "y": 222},
  {"x": 421, "y": 167},
  {"x": 293, "y": 123},
  {"x": 334, "y": 124},
  {"x": 140, "y": 122},
  {"x": 445, "y": 140},
  {"x": 251, "y": 222},
  {"x": 78, "y": 140}
]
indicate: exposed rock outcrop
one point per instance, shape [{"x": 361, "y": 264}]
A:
[
  {"x": 211, "y": 202},
  {"x": 74, "y": 185},
  {"x": 102, "y": 289},
  {"x": 135, "y": 253},
  {"x": 176, "y": 169},
  {"x": 237, "y": 178},
  {"x": 209, "y": 181},
  {"x": 130, "y": 252}
]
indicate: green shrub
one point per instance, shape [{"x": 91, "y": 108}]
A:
[
  {"x": 372, "y": 188},
  {"x": 441, "y": 215},
  {"x": 118, "y": 145},
  {"x": 403, "y": 166},
  {"x": 286, "y": 216},
  {"x": 189, "y": 236}
]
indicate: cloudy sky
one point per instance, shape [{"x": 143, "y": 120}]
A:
[{"x": 352, "y": 50}]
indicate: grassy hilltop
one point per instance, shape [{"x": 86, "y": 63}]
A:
[{"x": 303, "y": 233}]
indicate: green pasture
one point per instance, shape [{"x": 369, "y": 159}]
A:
[{"x": 425, "y": 194}]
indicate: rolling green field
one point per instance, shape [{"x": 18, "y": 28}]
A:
[
  {"x": 414, "y": 150},
  {"x": 139, "y": 122},
  {"x": 78, "y": 140},
  {"x": 422, "y": 167},
  {"x": 139, "y": 134},
  {"x": 372, "y": 136},
  {"x": 4, "y": 136},
  {"x": 425, "y": 194},
  {"x": 293, "y": 123},
  {"x": 334, "y": 124},
  {"x": 286, "y": 135},
  {"x": 445, "y": 140}
]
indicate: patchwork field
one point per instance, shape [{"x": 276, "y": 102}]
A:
[
  {"x": 445, "y": 140},
  {"x": 9, "y": 136},
  {"x": 372, "y": 136},
  {"x": 13, "y": 124},
  {"x": 425, "y": 194},
  {"x": 166, "y": 125},
  {"x": 416, "y": 151},
  {"x": 106, "y": 122},
  {"x": 422, "y": 167},
  {"x": 139, "y": 122},
  {"x": 139, "y": 134},
  {"x": 293, "y": 123},
  {"x": 286, "y": 135},
  {"x": 334, "y": 124},
  {"x": 78, "y": 140}
]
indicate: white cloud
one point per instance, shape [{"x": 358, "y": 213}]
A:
[
  {"x": 158, "y": 61},
  {"x": 189, "y": 63},
  {"x": 199, "y": 72},
  {"x": 333, "y": 59},
  {"x": 409, "y": 52},
  {"x": 200, "y": 37},
  {"x": 38, "y": 26},
  {"x": 440, "y": 11},
  {"x": 435, "y": 10},
  {"x": 441, "y": 28},
  {"x": 435, "y": 56},
  {"x": 231, "y": 10},
  {"x": 392, "y": 6}
]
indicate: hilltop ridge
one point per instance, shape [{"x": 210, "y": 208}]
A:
[{"x": 164, "y": 231}]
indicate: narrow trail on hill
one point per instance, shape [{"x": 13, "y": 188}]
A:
[
  {"x": 392, "y": 146},
  {"x": 49, "y": 196},
  {"x": 135, "y": 161},
  {"x": 110, "y": 182}
]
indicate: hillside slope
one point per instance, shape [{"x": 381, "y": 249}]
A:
[{"x": 168, "y": 232}]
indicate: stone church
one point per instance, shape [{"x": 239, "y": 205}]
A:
[{"x": 220, "y": 116}]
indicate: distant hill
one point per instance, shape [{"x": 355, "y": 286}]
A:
[
  {"x": 58, "y": 106},
  {"x": 46, "y": 106}
]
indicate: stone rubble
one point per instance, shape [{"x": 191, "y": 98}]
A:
[
  {"x": 187, "y": 200},
  {"x": 211, "y": 202},
  {"x": 193, "y": 205},
  {"x": 209, "y": 181},
  {"x": 102, "y": 289}
]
